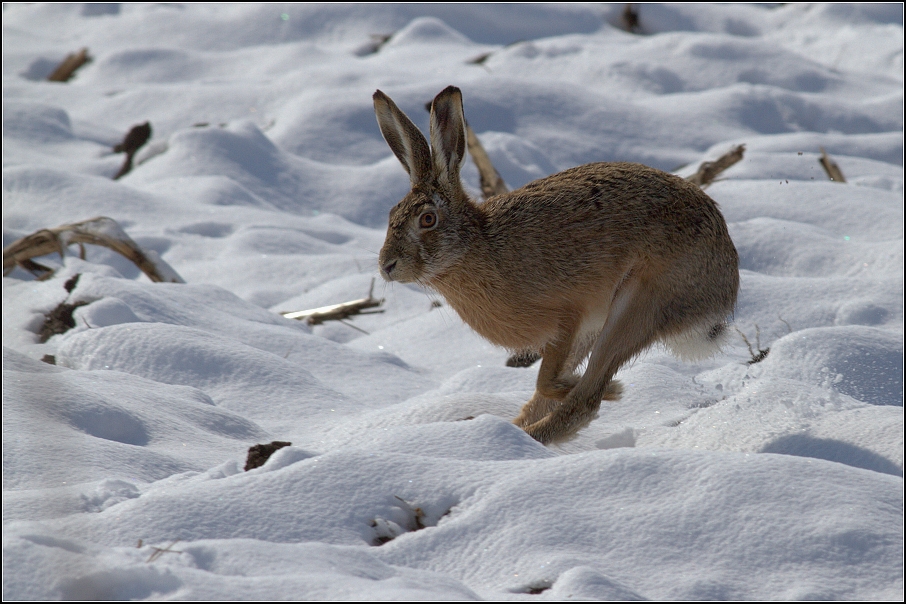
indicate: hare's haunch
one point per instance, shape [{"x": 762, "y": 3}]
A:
[{"x": 603, "y": 259}]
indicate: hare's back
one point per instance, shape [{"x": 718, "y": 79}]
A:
[
  {"x": 610, "y": 187},
  {"x": 607, "y": 203}
]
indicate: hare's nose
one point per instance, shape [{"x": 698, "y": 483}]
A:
[{"x": 387, "y": 269}]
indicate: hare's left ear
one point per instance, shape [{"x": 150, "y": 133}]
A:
[{"x": 448, "y": 137}]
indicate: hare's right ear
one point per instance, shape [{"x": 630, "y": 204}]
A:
[
  {"x": 448, "y": 136},
  {"x": 404, "y": 138}
]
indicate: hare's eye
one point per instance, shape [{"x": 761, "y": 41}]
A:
[{"x": 427, "y": 220}]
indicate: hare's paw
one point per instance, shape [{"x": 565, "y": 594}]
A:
[
  {"x": 563, "y": 422},
  {"x": 539, "y": 430},
  {"x": 549, "y": 430},
  {"x": 538, "y": 407}
]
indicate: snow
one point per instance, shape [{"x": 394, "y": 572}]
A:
[{"x": 266, "y": 186}]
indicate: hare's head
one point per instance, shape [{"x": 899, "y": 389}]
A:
[{"x": 430, "y": 228}]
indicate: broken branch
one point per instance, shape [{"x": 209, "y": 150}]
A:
[
  {"x": 709, "y": 170},
  {"x": 337, "y": 312}
]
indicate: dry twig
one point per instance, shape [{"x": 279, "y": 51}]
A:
[
  {"x": 338, "y": 312},
  {"x": 709, "y": 170},
  {"x": 831, "y": 167},
  {"x": 159, "y": 551},
  {"x": 97, "y": 231},
  {"x": 66, "y": 69}
]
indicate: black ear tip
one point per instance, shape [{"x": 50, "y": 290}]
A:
[
  {"x": 378, "y": 95},
  {"x": 444, "y": 96}
]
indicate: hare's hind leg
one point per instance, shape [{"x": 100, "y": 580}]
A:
[{"x": 631, "y": 326}]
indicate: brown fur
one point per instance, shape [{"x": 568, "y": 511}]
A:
[{"x": 604, "y": 258}]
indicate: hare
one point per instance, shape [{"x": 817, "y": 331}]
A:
[{"x": 602, "y": 259}]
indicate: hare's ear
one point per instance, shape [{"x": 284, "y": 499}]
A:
[
  {"x": 448, "y": 136},
  {"x": 404, "y": 138}
]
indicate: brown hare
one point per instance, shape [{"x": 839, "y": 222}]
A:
[{"x": 603, "y": 259}]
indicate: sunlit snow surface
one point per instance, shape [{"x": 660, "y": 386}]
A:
[{"x": 266, "y": 186}]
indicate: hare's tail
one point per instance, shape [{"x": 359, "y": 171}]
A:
[{"x": 700, "y": 342}]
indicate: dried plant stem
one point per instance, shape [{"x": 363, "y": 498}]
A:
[
  {"x": 491, "y": 182},
  {"x": 831, "y": 167},
  {"x": 66, "y": 69}
]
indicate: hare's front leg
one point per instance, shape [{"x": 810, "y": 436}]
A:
[
  {"x": 555, "y": 378},
  {"x": 552, "y": 386}
]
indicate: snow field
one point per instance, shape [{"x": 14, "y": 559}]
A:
[{"x": 266, "y": 186}]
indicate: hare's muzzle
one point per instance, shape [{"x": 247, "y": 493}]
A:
[{"x": 387, "y": 270}]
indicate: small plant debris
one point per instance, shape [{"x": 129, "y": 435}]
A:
[
  {"x": 831, "y": 167},
  {"x": 630, "y": 19},
  {"x": 709, "y": 170},
  {"x": 534, "y": 588},
  {"x": 524, "y": 358},
  {"x": 59, "y": 320},
  {"x": 49, "y": 359},
  {"x": 385, "y": 531},
  {"x": 72, "y": 282},
  {"x": 762, "y": 352},
  {"x": 375, "y": 45},
  {"x": 418, "y": 515},
  {"x": 537, "y": 588},
  {"x": 67, "y": 69},
  {"x": 759, "y": 356},
  {"x": 259, "y": 454},
  {"x": 409, "y": 518},
  {"x": 133, "y": 141}
]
